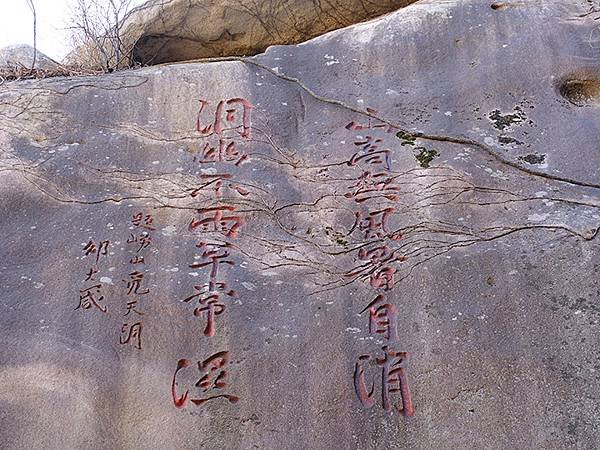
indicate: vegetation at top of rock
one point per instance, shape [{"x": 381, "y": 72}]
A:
[{"x": 99, "y": 37}]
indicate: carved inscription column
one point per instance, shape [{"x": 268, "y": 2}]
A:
[
  {"x": 91, "y": 297},
  {"x": 131, "y": 330},
  {"x": 223, "y": 130},
  {"x": 374, "y": 194}
]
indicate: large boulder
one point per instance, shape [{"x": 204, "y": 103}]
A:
[
  {"x": 21, "y": 55},
  {"x": 427, "y": 183},
  {"x": 179, "y": 30}
]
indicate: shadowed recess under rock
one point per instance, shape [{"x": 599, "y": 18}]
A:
[
  {"x": 181, "y": 30},
  {"x": 384, "y": 238}
]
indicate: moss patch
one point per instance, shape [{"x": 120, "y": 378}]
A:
[
  {"x": 336, "y": 236},
  {"x": 425, "y": 156}
]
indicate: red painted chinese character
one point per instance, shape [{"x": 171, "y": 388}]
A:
[
  {"x": 375, "y": 157},
  {"x": 137, "y": 259},
  {"x": 383, "y": 277},
  {"x": 213, "y": 378},
  {"x": 144, "y": 240},
  {"x": 374, "y": 224},
  {"x": 211, "y": 307},
  {"x": 355, "y": 126},
  {"x": 393, "y": 380},
  {"x": 90, "y": 275},
  {"x": 215, "y": 182},
  {"x": 368, "y": 144},
  {"x": 209, "y": 304},
  {"x": 218, "y": 220},
  {"x": 228, "y": 116},
  {"x": 383, "y": 319},
  {"x": 135, "y": 282},
  {"x": 213, "y": 255},
  {"x": 232, "y": 114},
  {"x": 131, "y": 307},
  {"x": 370, "y": 185},
  {"x": 226, "y": 151},
  {"x": 143, "y": 222}
]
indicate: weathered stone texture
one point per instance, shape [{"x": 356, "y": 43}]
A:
[
  {"x": 22, "y": 56},
  {"x": 488, "y": 169},
  {"x": 180, "y": 30}
]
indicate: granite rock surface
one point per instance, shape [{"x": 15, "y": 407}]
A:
[
  {"x": 180, "y": 30},
  {"x": 22, "y": 55},
  {"x": 385, "y": 237}
]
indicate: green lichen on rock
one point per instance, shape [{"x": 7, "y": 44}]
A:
[
  {"x": 336, "y": 236},
  {"x": 502, "y": 121},
  {"x": 406, "y": 138},
  {"x": 425, "y": 156}
]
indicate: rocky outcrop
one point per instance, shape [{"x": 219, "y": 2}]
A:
[
  {"x": 179, "y": 30},
  {"x": 385, "y": 237},
  {"x": 22, "y": 56}
]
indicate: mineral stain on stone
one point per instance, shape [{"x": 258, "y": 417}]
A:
[
  {"x": 533, "y": 158},
  {"x": 506, "y": 140},
  {"x": 584, "y": 91},
  {"x": 503, "y": 121}
]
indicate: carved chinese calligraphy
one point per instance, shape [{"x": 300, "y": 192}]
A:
[
  {"x": 375, "y": 191},
  {"x": 383, "y": 320},
  {"x": 231, "y": 120},
  {"x": 212, "y": 379},
  {"x": 91, "y": 296},
  {"x": 217, "y": 227},
  {"x": 217, "y": 219},
  {"x": 131, "y": 330}
]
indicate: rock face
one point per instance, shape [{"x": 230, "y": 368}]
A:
[
  {"x": 179, "y": 30},
  {"x": 238, "y": 254},
  {"x": 22, "y": 54}
]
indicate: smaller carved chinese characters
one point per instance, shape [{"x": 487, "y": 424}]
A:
[
  {"x": 91, "y": 297},
  {"x": 140, "y": 240},
  {"x": 131, "y": 334}
]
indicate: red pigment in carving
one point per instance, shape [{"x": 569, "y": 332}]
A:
[
  {"x": 394, "y": 380},
  {"x": 135, "y": 282},
  {"x": 227, "y": 117},
  {"x": 213, "y": 377},
  {"x": 144, "y": 240},
  {"x": 180, "y": 402},
  {"x": 228, "y": 225}
]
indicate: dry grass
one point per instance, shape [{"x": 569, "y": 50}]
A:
[{"x": 20, "y": 72}]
